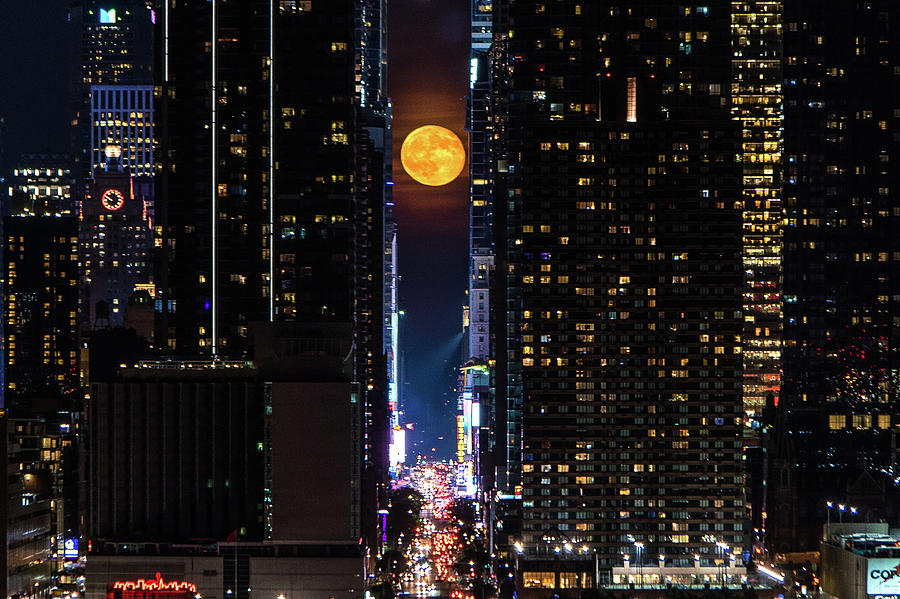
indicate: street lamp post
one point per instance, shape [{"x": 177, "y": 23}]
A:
[
  {"x": 640, "y": 555},
  {"x": 724, "y": 548}
]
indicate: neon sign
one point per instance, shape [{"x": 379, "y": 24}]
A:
[{"x": 155, "y": 584}]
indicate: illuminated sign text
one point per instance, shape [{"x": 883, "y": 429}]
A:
[{"x": 155, "y": 584}]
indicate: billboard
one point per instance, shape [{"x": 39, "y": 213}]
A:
[
  {"x": 70, "y": 549},
  {"x": 883, "y": 576}
]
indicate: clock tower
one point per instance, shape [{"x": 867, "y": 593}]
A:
[{"x": 115, "y": 223}]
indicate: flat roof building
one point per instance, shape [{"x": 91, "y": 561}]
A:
[{"x": 860, "y": 561}]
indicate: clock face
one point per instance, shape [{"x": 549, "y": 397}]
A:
[{"x": 112, "y": 199}]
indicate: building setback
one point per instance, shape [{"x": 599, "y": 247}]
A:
[{"x": 619, "y": 274}]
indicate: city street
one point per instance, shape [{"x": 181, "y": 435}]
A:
[{"x": 434, "y": 550}]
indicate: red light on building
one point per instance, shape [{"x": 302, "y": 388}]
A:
[{"x": 153, "y": 586}]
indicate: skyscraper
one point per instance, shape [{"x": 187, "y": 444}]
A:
[
  {"x": 40, "y": 299},
  {"x": 113, "y": 46},
  {"x": 841, "y": 249},
  {"x": 757, "y": 105},
  {"x": 478, "y": 347},
  {"x": 270, "y": 172},
  {"x": 122, "y": 115},
  {"x": 619, "y": 256},
  {"x": 114, "y": 238},
  {"x": 481, "y": 240},
  {"x": 40, "y": 370},
  {"x": 270, "y": 198},
  {"x": 840, "y": 245}
]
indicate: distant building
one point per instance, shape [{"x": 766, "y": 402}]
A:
[
  {"x": 122, "y": 116},
  {"x": 115, "y": 235},
  {"x": 40, "y": 185},
  {"x": 40, "y": 305},
  {"x": 377, "y": 304},
  {"x": 473, "y": 401},
  {"x": 757, "y": 106},
  {"x": 113, "y": 45},
  {"x": 481, "y": 201}
]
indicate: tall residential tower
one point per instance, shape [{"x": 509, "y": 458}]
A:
[{"x": 619, "y": 252}]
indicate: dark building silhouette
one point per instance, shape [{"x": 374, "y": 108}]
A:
[
  {"x": 840, "y": 259},
  {"x": 619, "y": 277},
  {"x": 173, "y": 454},
  {"x": 188, "y": 450},
  {"x": 270, "y": 218},
  {"x": 40, "y": 299}
]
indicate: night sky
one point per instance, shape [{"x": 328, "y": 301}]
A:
[
  {"x": 428, "y": 82},
  {"x": 34, "y": 76}
]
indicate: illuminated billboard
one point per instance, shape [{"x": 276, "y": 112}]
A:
[
  {"x": 460, "y": 439},
  {"x": 883, "y": 576},
  {"x": 70, "y": 549},
  {"x": 147, "y": 588},
  {"x": 108, "y": 16}
]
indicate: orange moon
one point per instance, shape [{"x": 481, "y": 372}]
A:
[{"x": 433, "y": 155}]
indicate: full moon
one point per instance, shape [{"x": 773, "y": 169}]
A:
[{"x": 432, "y": 155}]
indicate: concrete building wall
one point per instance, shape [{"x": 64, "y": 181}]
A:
[
  {"x": 175, "y": 455},
  {"x": 843, "y": 573},
  {"x": 315, "y": 462},
  {"x": 307, "y": 577}
]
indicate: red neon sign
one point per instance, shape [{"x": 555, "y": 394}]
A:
[{"x": 156, "y": 584}]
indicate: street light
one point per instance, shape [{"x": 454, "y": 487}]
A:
[
  {"x": 640, "y": 557},
  {"x": 724, "y": 549}
]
